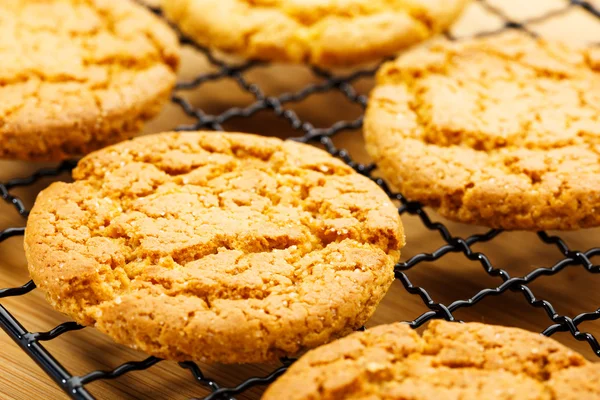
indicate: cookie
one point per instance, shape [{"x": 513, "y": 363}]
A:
[
  {"x": 449, "y": 361},
  {"x": 78, "y": 75},
  {"x": 214, "y": 247},
  {"x": 502, "y": 132},
  {"x": 326, "y": 33}
]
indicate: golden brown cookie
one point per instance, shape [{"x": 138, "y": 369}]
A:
[
  {"x": 502, "y": 132},
  {"x": 78, "y": 75},
  {"x": 327, "y": 33},
  {"x": 450, "y": 361},
  {"x": 214, "y": 247}
]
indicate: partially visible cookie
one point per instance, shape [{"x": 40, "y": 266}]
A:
[
  {"x": 327, "y": 33},
  {"x": 76, "y": 76},
  {"x": 502, "y": 131},
  {"x": 450, "y": 361},
  {"x": 215, "y": 247}
]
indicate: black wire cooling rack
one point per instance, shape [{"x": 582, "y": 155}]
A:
[{"x": 75, "y": 386}]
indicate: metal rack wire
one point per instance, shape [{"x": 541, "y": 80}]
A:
[{"x": 75, "y": 386}]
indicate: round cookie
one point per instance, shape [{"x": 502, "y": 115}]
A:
[
  {"x": 450, "y": 361},
  {"x": 502, "y": 131},
  {"x": 214, "y": 247},
  {"x": 78, "y": 75},
  {"x": 327, "y": 33}
]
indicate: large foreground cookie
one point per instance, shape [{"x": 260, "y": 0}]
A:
[
  {"x": 214, "y": 247},
  {"x": 450, "y": 361},
  {"x": 503, "y": 132},
  {"x": 321, "y": 32},
  {"x": 78, "y": 75}
]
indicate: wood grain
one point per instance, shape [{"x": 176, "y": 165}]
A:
[{"x": 452, "y": 277}]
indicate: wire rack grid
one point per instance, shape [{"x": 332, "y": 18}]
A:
[{"x": 75, "y": 386}]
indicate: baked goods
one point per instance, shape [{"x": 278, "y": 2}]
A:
[
  {"x": 450, "y": 361},
  {"x": 214, "y": 247},
  {"x": 78, "y": 75},
  {"x": 502, "y": 131},
  {"x": 327, "y": 33}
]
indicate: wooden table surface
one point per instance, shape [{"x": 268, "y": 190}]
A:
[{"x": 452, "y": 277}]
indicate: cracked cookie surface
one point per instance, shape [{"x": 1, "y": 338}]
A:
[
  {"x": 326, "y": 33},
  {"x": 214, "y": 247},
  {"x": 502, "y": 132},
  {"x": 77, "y": 75},
  {"x": 450, "y": 361}
]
